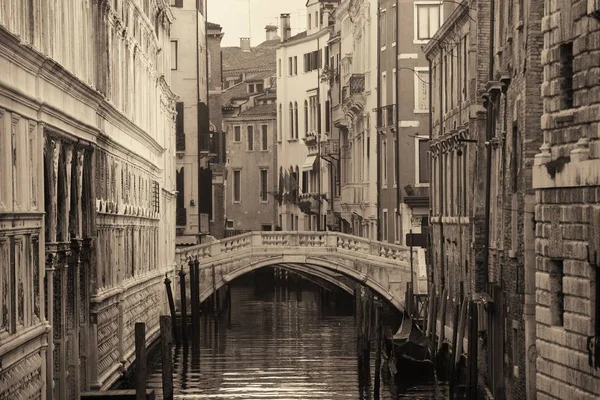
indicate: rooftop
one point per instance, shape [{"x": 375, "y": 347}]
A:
[
  {"x": 263, "y": 109},
  {"x": 261, "y": 57}
]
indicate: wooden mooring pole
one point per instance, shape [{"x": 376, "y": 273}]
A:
[
  {"x": 455, "y": 321},
  {"x": 140, "y": 361},
  {"x": 172, "y": 308},
  {"x": 472, "y": 353},
  {"x": 195, "y": 281},
  {"x": 378, "y": 340},
  {"x": 166, "y": 358},
  {"x": 184, "y": 319}
]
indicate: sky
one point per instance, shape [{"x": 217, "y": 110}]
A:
[{"x": 232, "y": 15}]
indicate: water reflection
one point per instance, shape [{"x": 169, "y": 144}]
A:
[{"x": 278, "y": 341}]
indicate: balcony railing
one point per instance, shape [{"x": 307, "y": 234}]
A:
[
  {"x": 209, "y": 143},
  {"x": 331, "y": 147},
  {"x": 386, "y": 116},
  {"x": 357, "y": 83},
  {"x": 181, "y": 217},
  {"x": 180, "y": 142}
]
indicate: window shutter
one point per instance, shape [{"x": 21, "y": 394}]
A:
[
  {"x": 179, "y": 3},
  {"x": 179, "y": 120}
]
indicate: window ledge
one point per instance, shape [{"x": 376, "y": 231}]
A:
[
  {"x": 394, "y": 44},
  {"x": 383, "y": 48},
  {"x": 421, "y": 184},
  {"x": 421, "y": 111},
  {"x": 292, "y": 140}
]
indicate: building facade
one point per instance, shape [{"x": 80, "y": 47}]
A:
[
  {"x": 403, "y": 118},
  {"x": 458, "y": 54},
  {"x": 251, "y": 194},
  {"x": 304, "y": 119},
  {"x": 567, "y": 189},
  {"x": 358, "y": 135},
  {"x": 214, "y": 144},
  {"x": 189, "y": 79},
  {"x": 88, "y": 164}
]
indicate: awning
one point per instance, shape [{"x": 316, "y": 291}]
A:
[{"x": 309, "y": 162}]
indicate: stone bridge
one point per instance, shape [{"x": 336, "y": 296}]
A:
[{"x": 383, "y": 267}]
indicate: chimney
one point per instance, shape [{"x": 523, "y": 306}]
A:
[
  {"x": 271, "y": 32},
  {"x": 286, "y": 29},
  {"x": 245, "y": 44}
]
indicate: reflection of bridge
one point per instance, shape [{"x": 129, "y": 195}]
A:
[{"x": 383, "y": 267}]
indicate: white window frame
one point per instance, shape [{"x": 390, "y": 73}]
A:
[
  {"x": 416, "y": 16},
  {"x": 394, "y": 20},
  {"x": 417, "y": 156},
  {"x": 261, "y": 169},
  {"x": 384, "y": 89},
  {"x": 384, "y": 160},
  {"x": 248, "y": 136},
  {"x": 385, "y": 227},
  {"x": 394, "y": 86},
  {"x": 212, "y": 219},
  {"x": 264, "y": 147},
  {"x": 383, "y": 38},
  {"x": 237, "y": 141},
  {"x": 176, "y": 61},
  {"x": 233, "y": 186},
  {"x": 397, "y": 238},
  {"x": 416, "y": 85}
]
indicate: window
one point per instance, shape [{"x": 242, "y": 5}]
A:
[
  {"x": 397, "y": 227},
  {"x": 384, "y": 227},
  {"x": 237, "y": 182},
  {"x": 237, "y": 133},
  {"x": 265, "y": 138},
  {"x": 384, "y": 162},
  {"x": 179, "y": 131},
  {"x": 422, "y": 161},
  {"x": 296, "y": 120},
  {"x": 251, "y": 88},
  {"x": 260, "y": 87},
  {"x": 421, "y": 90},
  {"x": 382, "y": 28},
  {"x": 280, "y": 121},
  {"x": 394, "y": 24},
  {"x": 290, "y": 66},
  {"x": 327, "y": 117},
  {"x": 279, "y": 68},
  {"x": 395, "y": 152},
  {"x": 309, "y": 21},
  {"x": 394, "y": 85},
  {"x": 566, "y": 71},
  {"x": 295, "y": 65},
  {"x": 250, "y": 137},
  {"x": 427, "y": 19},
  {"x": 557, "y": 298},
  {"x": 316, "y": 19},
  {"x": 173, "y": 55},
  {"x": 305, "y": 118},
  {"x": 291, "y": 121},
  {"x": 263, "y": 185},
  {"x": 384, "y": 101}
]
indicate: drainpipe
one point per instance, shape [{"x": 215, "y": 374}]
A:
[
  {"x": 319, "y": 129},
  {"x": 488, "y": 137},
  {"x": 397, "y": 101},
  {"x": 430, "y": 115},
  {"x": 198, "y": 122},
  {"x": 441, "y": 185},
  {"x": 530, "y": 302},
  {"x": 378, "y": 112}
]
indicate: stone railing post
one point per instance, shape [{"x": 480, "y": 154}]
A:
[
  {"x": 331, "y": 240},
  {"x": 257, "y": 239},
  {"x": 214, "y": 249}
]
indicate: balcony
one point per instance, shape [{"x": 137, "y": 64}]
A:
[
  {"x": 357, "y": 84},
  {"x": 309, "y": 203},
  {"x": 209, "y": 144},
  {"x": 330, "y": 148},
  {"x": 386, "y": 117},
  {"x": 180, "y": 142},
  {"x": 181, "y": 218}
]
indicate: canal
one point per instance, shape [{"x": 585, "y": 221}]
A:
[{"x": 279, "y": 341}]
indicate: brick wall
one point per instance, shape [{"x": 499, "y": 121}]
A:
[{"x": 568, "y": 204}]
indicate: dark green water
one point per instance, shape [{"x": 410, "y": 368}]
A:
[{"x": 281, "y": 343}]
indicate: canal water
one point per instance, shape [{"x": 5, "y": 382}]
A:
[{"x": 279, "y": 341}]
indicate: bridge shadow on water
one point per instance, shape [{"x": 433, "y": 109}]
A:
[{"x": 282, "y": 337}]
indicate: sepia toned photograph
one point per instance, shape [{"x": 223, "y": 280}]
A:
[{"x": 299, "y": 199}]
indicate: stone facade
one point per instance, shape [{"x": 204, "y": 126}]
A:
[
  {"x": 304, "y": 123},
  {"x": 87, "y": 147},
  {"x": 256, "y": 207},
  {"x": 567, "y": 183}
]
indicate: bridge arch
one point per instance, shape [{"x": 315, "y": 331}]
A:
[{"x": 206, "y": 290}]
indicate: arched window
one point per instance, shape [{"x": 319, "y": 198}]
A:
[
  {"x": 296, "y": 120},
  {"x": 291, "y": 120},
  {"x": 279, "y": 129},
  {"x": 305, "y": 118}
]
